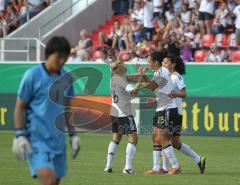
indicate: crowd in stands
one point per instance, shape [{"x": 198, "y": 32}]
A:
[
  {"x": 14, "y": 13},
  {"x": 196, "y": 30}
]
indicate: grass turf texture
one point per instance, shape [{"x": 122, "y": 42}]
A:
[{"x": 222, "y": 163}]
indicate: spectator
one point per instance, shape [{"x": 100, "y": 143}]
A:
[
  {"x": 23, "y": 8},
  {"x": 73, "y": 58},
  {"x": 34, "y": 7},
  {"x": 214, "y": 55},
  {"x": 127, "y": 35},
  {"x": 185, "y": 15},
  {"x": 237, "y": 22},
  {"x": 84, "y": 47},
  {"x": 173, "y": 46},
  {"x": 177, "y": 4},
  {"x": 186, "y": 46},
  {"x": 113, "y": 39},
  {"x": 148, "y": 20},
  {"x": 195, "y": 13},
  {"x": 206, "y": 12},
  {"x": 11, "y": 18},
  {"x": 2, "y": 5},
  {"x": 3, "y": 24},
  {"x": 138, "y": 12},
  {"x": 222, "y": 19},
  {"x": 158, "y": 8},
  {"x": 136, "y": 30},
  {"x": 169, "y": 14},
  {"x": 231, "y": 4}
]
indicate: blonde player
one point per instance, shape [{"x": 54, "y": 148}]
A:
[
  {"x": 177, "y": 68},
  {"x": 121, "y": 116}
]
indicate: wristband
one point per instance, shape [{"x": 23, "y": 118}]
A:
[{"x": 20, "y": 132}]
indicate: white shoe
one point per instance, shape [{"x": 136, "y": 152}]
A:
[
  {"x": 108, "y": 170},
  {"x": 129, "y": 171}
]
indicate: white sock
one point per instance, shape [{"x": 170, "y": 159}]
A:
[
  {"x": 166, "y": 162},
  {"x": 157, "y": 152},
  {"x": 130, "y": 155},
  {"x": 169, "y": 152},
  {"x": 112, "y": 149},
  {"x": 185, "y": 149}
]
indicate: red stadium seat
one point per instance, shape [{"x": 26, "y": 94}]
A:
[
  {"x": 207, "y": 40},
  {"x": 236, "y": 56},
  {"x": 231, "y": 41},
  {"x": 221, "y": 40},
  {"x": 200, "y": 55}
]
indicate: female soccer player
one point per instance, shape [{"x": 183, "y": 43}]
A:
[
  {"x": 166, "y": 113},
  {"x": 121, "y": 116},
  {"x": 40, "y": 101},
  {"x": 177, "y": 68}
]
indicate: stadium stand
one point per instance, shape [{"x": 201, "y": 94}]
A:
[
  {"x": 14, "y": 13},
  {"x": 181, "y": 19}
]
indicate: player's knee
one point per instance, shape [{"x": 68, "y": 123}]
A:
[
  {"x": 133, "y": 139},
  {"x": 47, "y": 177},
  {"x": 176, "y": 143},
  {"x": 117, "y": 138},
  {"x": 49, "y": 181}
]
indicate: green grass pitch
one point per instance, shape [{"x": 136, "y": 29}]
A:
[{"x": 223, "y": 163}]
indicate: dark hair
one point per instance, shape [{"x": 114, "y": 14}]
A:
[
  {"x": 157, "y": 56},
  {"x": 57, "y": 44},
  {"x": 179, "y": 64}
]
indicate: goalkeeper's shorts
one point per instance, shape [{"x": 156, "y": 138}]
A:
[{"x": 41, "y": 160}]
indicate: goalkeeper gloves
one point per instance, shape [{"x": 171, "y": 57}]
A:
[
  {"x": 74, "y": 142},
  {"x": 21, "y": 146}
]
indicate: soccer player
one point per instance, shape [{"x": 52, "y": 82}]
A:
[
  {"x": 166, "y": 114},
  {"x": 177, "y": 69},
  {"x": 121, "y": 116},
  {"x": 37, "y": 111}
]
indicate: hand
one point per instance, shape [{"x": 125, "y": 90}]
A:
[
  {"x": 173, "y": 94},
  {"x": 151, "y": 101},
  {"x": 75, "y": 145},
  {"x": 21, "y": 147}
]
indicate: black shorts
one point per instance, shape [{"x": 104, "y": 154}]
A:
[
  {"x": 166, "y": 119},
  {"x": 204, "y": 16},
  {"x": 109, "y": 42},
  {"x": 123, "y": 125},
  {"x": 178, "y": 127}
]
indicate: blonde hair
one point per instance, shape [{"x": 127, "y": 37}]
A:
[{"x": 114, "y": 66}]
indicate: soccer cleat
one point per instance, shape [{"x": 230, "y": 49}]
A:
[
  {"x": 157, "y": 172},
  {"x": 129, "y": 171},
  {"x": 202, "y": 164},
  {"x": 108, "y": 170},
  {"x": 174, "y": 171}
]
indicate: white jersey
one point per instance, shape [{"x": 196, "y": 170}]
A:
[
  {"x": 148, "y": 15},
  {"x": 121, "y": 98},
  {"x": 207, "y": 6},
  {"x": 178, "y": 85},
  {"x": 163, "y": 78}
]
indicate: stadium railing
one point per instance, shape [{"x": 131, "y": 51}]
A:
[{"x": 21, "y": 49}]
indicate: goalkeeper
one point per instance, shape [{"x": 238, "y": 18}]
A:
[{"x": 40, "y": 101}]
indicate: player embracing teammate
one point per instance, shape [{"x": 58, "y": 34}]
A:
[
  {"x": 176, "y": 68},
  {"x": 121, "y": 116}
]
